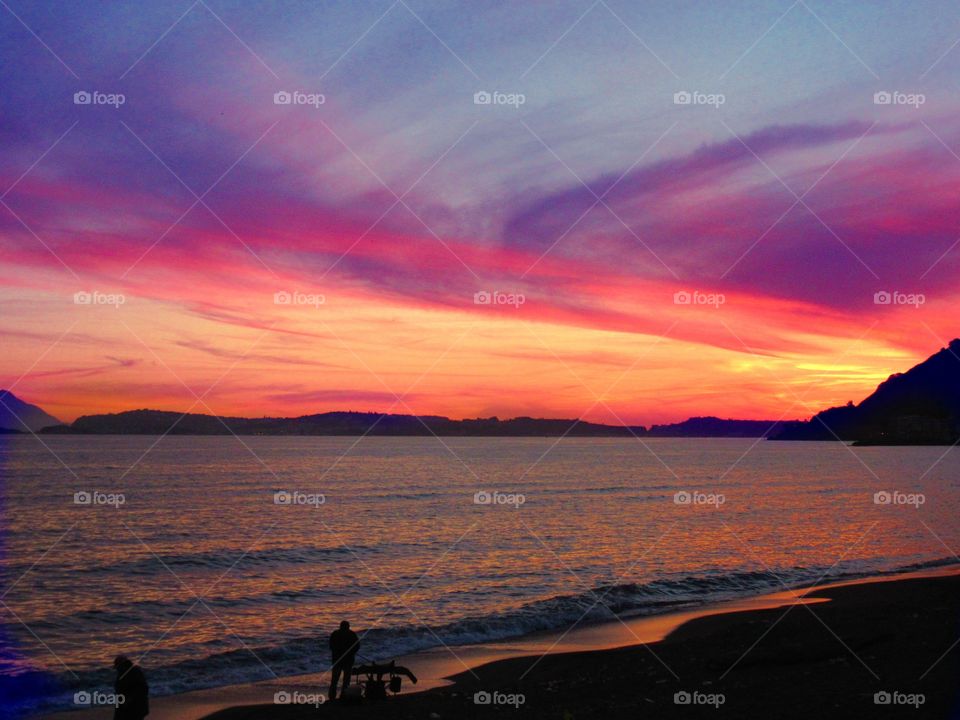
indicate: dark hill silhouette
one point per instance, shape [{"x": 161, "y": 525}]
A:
[
  {"x": 159, "y": 422},
  {"x": 918, "y": 407},
  {"x": 20, "y": 416},
  {"x": 716, "y": 427}
]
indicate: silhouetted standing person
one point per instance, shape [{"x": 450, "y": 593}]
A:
[
  {"x": 344, "y": 644},
  {"x": 131, "y": 683}
]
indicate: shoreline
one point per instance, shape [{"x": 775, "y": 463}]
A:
[
  {"x": 446, "y": 673},
  {"x": 877, "y": 647}
]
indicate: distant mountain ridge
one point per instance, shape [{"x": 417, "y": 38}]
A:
[
  {"x": 716, "y": 427},
  {"x": 151, "y": 422},
  {"x": 159, "y": 422},
  {"x": 918, "y": 407},
  {"x": 19, "y": 416}
]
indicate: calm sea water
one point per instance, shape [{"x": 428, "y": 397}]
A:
[{"x": 210, "y": 576}]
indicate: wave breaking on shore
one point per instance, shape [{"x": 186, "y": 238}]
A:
[{"x": 45, "y": 692}]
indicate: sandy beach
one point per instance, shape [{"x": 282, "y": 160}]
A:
[
  {"x": 818, "y": 652},
  {"x": 827, "y": 660}
]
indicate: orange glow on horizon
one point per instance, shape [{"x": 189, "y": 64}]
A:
[{"x": 276, "y": 360}]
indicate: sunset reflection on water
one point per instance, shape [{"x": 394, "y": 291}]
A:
[{"x": 200, "y": 562}]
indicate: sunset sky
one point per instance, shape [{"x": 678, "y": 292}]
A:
[{"x": 783, "y": 198}]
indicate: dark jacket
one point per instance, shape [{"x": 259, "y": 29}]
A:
[
  {"x": 343, "y": 646},
  {"x": 132, "y": 684}
]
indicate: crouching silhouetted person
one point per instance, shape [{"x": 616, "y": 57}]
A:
[
  {"x": 131, "y": 685},
  {"x": 344, "y": 644}
]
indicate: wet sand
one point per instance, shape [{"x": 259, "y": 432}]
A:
[
  {"x": 436, "y": 667},
  {"x": 817, "y": 653},
  {"x": 822, "y": 660}
]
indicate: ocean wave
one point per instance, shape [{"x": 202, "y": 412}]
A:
[
  {"x": 232, "y": 558},
  {"x": 309, "y": 654}
]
